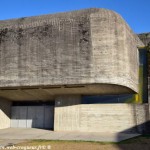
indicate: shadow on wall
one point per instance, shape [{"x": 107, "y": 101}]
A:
[
  {"x": 97, "y": 99},
  {"x": 5, "y": 113},
  {"x": 100, "y": 117},
  {"x": 143, "y": 129},
  {"x": 5, "y": 106}
]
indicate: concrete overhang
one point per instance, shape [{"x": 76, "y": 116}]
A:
[
  {"x": 93, "y": 48},
  {"x": 49, "y": 93}
]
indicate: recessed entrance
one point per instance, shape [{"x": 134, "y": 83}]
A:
[{"x": 32, "y": 117}]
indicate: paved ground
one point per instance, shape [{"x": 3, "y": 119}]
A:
[{"x": 16, "y": 135}]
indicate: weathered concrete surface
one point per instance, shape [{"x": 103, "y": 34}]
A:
[
  {"x": 145, "y": 38},
  {"x": 50, "y": 93},
  {"x": 67, "y": 113},
  {"x": 28, "y": 134},
  {"x": 93, "y": 46},
  {"x": 101, "y": 117},
  {"x": 5, "y": 111}
]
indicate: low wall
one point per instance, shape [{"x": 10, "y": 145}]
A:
[
  {"x": 5, "y": 111},
  {"x": 101, "y": 117}
]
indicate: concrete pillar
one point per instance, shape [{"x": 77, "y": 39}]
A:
[
  {"x": 142, "y": 118},
  {"x": 147, "y": 129},
  {"x": 67, "y": 113},
  {"x": 5, "y": 113},
  {"x": 148, "y": 67}
]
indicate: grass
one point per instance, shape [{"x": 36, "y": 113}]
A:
[{"x": 138, "y": 143}]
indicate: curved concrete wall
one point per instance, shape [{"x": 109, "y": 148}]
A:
[
  {"x": 115, "y": 53},
  {"x": 90, "y": 46}
]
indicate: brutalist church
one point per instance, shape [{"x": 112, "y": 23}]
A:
[{"x": 77, "y": 71}]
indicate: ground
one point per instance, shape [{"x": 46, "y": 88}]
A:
[
  {"x": 138, "y": 143},
  {"x": 12, "y": 135}
]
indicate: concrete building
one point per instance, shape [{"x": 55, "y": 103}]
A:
[{"x": 76, "y": 71}]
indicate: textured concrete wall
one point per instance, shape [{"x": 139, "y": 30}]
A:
[
  {"x": 149, "y": 78},
  {"x": 5, "y": 111},
  {"x": 82, "y": 47},
  {"x": 99, "y": 117},
  {"x": 114, "y": 50},
  {"x": 142, "y": 118},
  {"x": 66, "y": 117},
  {"x": 145, "y": 38}
]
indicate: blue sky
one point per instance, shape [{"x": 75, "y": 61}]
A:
[{"x": 135, "y": 12}]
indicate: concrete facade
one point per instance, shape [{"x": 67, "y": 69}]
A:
[
  {"x": 93, "y": 45},
  {"x": 63, "y": 57}
]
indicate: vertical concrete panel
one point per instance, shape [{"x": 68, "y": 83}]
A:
[
  {"x": 67, "y": 113},
  {"x": 15, "y": 113},
  {"x": 142, "y": 118},
  {"x": 31, "y": 115},
  {"x": 39, "y": 120},
  {"x": 149, "y": 77},
  {"x": 48, "y": 117},
  {"x": 5, "y": 111},
  {"x": 22, "y": 117},
  {"x": 67, "y": 119}
]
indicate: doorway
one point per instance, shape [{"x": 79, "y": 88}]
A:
[{"x": 41, "y": 117}]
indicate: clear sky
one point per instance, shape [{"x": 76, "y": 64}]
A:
[{"x": 135, "y": 12}]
